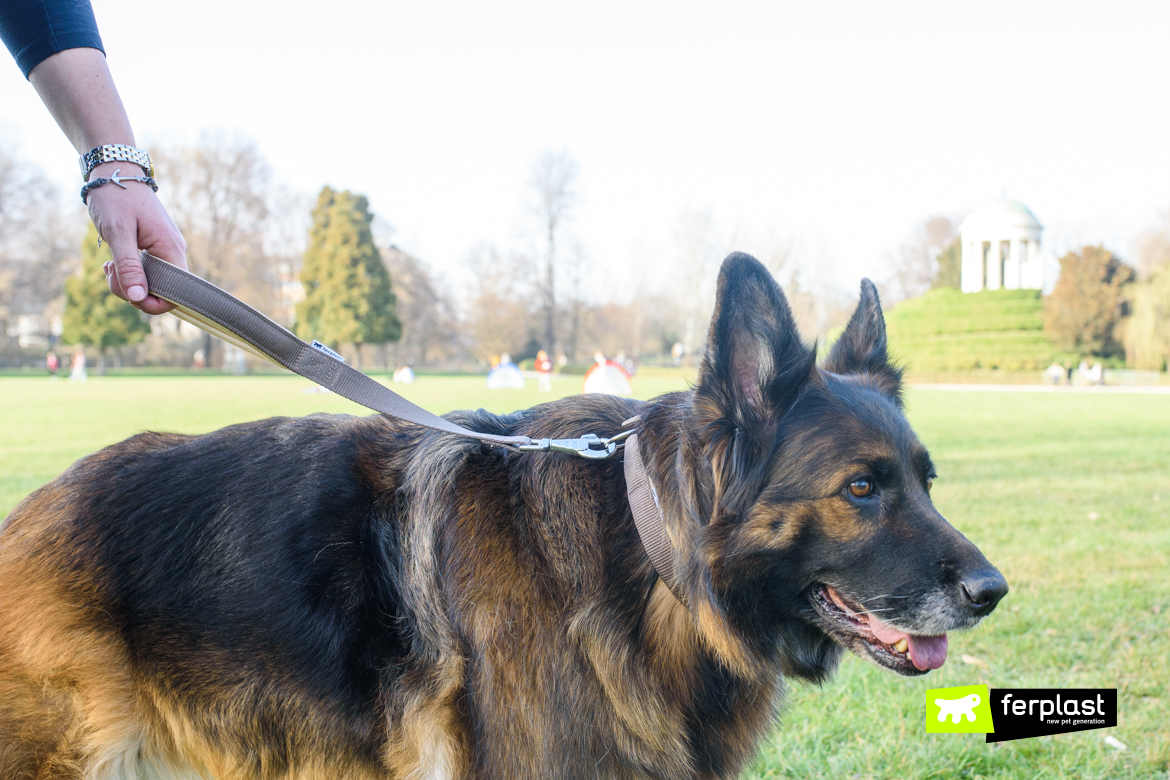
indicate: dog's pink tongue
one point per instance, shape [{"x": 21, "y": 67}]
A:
[{"x": 926, "y": 652}]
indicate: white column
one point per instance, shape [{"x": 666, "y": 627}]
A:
[
  {"x": 965, "y": 267},
  {"x": 994, "y": 282},
  {"x": 1036, "y": 264},
  {"x": 1011, "y": 271},
  {"x": 1021, "y": 262}
]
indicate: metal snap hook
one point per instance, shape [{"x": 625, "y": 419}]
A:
[{"x": 588, "y": 446}]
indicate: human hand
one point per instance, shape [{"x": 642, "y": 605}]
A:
[{"x": 129, "y": 220}]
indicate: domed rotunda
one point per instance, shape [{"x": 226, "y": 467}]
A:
[{"x": 1001, "y": 249}]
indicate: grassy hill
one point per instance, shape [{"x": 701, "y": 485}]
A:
[{"x": 946, "y": 330}]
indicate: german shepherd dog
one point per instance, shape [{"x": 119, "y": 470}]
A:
[{"x": 342, "y": 597}]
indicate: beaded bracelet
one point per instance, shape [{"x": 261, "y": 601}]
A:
[{"x": 115, "y": 179}]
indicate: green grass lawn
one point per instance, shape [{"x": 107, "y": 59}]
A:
[{"x": 1068, "y": 494}]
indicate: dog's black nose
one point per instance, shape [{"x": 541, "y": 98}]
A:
[{"x": 983, "y": 590}]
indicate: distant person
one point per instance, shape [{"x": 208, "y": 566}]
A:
[
  {"x": 52, "y": 363},
  {"x": 505, "y": 375},
  {"x": 626, "y": 363},
  {"x": 1097, "y": 374},
  {"x": 543, "y": 372},
  {"x": 57, "y": 47},
  {"x": 77, "y": 366},
  {"x": 1054, "y": 373}
]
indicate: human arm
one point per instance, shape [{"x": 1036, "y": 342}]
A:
[
  {"x": 56, "y": 44},
  {"x": 77, "y": 88}
]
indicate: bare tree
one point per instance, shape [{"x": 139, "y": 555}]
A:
[
  {"x": 819, "y": 304},
  {"x": 217, "y": 193},
  {"x": 430, "y": 328},
  {"x": 574, "y": 265},
  {"x": 497, "y": 313},
  {"x": 286, "y": 232},
  {"x": 39, "y": 241},
  {"x": 914, "y": 264},
  {"x": 698, "y": 252},
  {"x": 1153, "y": 248},
  {"x": 553, "y": 187}
]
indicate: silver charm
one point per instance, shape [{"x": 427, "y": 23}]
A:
[{"x": 116, "y": 179}]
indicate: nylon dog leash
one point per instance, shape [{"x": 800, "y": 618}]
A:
[{"x": 216, "y": 311}]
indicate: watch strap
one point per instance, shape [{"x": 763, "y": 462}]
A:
[{"x": 115, "y": 153}]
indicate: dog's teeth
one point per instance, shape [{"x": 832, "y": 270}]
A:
[{"x": 901, "y": 645}]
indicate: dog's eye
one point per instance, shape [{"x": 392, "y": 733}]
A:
[
  {"x": 929, "y": 483},
  {"x": 861, "y": 488}
]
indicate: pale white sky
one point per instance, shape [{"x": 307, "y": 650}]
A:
[{"x": 837, "y": 124}]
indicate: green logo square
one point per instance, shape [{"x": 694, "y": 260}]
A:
[{"x": 962, "y": 710}]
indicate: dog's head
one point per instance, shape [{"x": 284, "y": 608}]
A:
[{"x": 818, "y": 530}]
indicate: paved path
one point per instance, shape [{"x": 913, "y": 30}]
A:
[{"x": 1105, "y": 389}]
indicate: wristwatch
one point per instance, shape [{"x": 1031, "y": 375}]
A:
[{"x": 115, "y": 153}]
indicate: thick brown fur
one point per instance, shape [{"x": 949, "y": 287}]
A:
[{"x": 338, "y": 597}]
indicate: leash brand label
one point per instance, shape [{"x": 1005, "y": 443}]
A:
[
  {"x": 1020, "y": 713},
  {"x": 962, "y": 710},
  {"x": 317, "y": 345}
]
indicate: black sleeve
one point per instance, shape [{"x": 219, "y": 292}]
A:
[{"x": 34, "y": 30}]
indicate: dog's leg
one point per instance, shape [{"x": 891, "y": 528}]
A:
[
  {"x": 429, "y": 743},
  {"x": 67, "y": 708}
]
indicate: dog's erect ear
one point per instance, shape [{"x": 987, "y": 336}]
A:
[
  {"x": 753, "y": 369},
  {"x": 861, "y": 349}
]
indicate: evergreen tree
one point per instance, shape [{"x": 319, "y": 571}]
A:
[
  {"x": 1082, "y": 312},
  {"x": 348, "y": 298},
  {"x": 94, "y": 316},
  {"x": 950, "y": 267}
]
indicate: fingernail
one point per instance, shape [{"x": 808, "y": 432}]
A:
[{"x": 136, "y": 293}]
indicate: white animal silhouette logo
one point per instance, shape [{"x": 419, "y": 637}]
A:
[{"x": 957, "y": 708}]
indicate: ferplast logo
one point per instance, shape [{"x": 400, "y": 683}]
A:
[
  {"x": 962, "y": 710},
  {"x": 1004, "y": 714}
]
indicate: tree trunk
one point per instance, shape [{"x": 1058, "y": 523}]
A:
[{"x": 550, "y": 307}]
